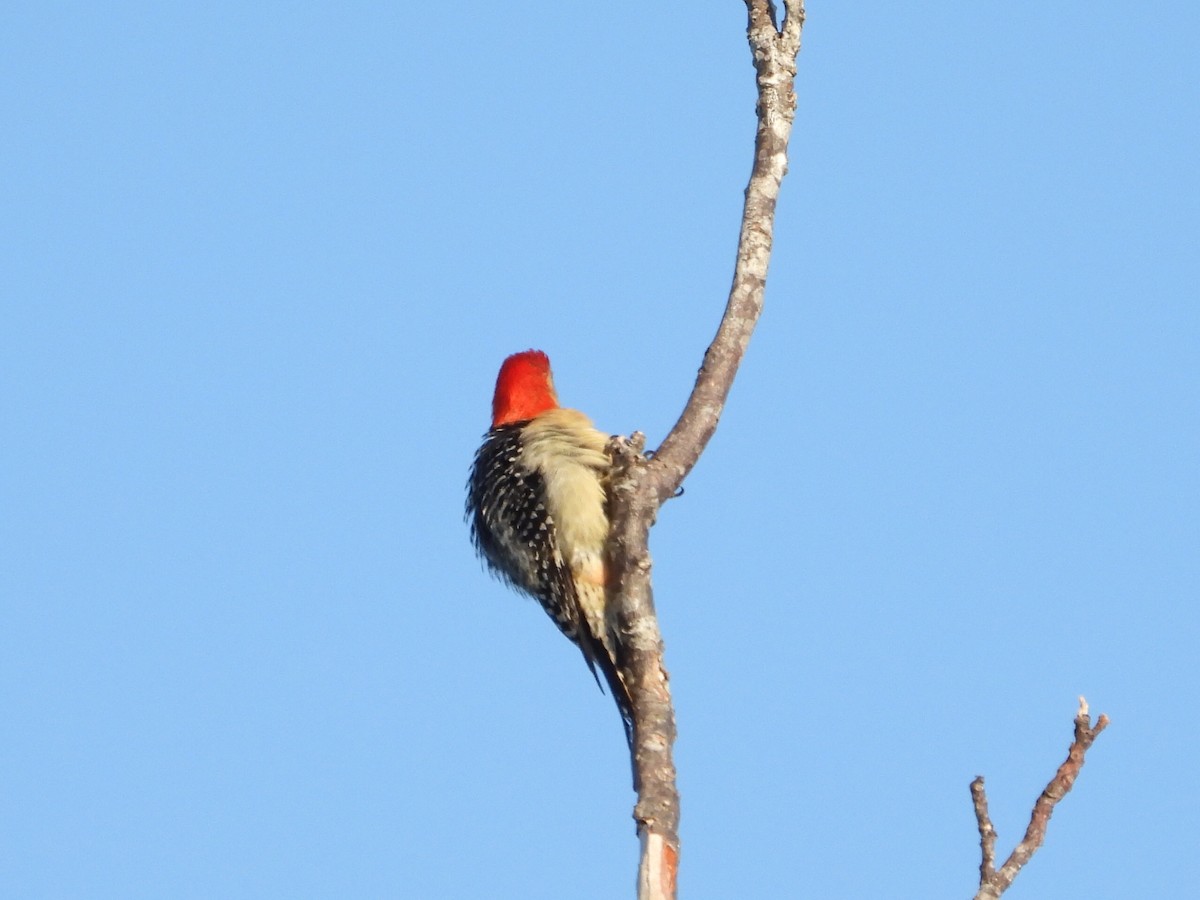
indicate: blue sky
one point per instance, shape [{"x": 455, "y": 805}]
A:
[{"x": 259, "y": 265}]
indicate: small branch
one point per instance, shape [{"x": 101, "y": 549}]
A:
[
  {"x": 987, "y": 834},
  {"x": 992, "y": 881},
  {"x": 774, "y": 53},
  {"x": 640, "y": 486}
]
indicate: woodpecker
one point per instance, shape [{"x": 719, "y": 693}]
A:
[{"x": 536, "y": 505}]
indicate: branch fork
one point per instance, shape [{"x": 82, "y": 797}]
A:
[{"x": 992, "y": 881}]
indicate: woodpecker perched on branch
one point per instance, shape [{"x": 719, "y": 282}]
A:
[{"x": 536, "y": 504}]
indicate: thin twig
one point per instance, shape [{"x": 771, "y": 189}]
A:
[
  {"x": 987, "y": 834},
  {"x": 641, "y": 486},
  {"x": 994, "y": 882}
]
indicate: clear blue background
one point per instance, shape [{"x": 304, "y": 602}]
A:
[{"x": 259, "y": 265}]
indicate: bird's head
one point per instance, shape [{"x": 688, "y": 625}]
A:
[{"x": 524, "y": 388}]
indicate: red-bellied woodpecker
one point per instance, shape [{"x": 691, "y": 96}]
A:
[{"x": 536, "y": 504}]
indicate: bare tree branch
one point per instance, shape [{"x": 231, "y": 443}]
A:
[
  {"x": 640, "y": 655},
  {"x": 641, "y": 486},
  {"x": 774, "y": 55},
  {"x": 992, "y": 881},
  {"x": 987, "y": 834}
]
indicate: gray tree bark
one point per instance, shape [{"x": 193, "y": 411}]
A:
[{"x": 641, "y": 485}]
